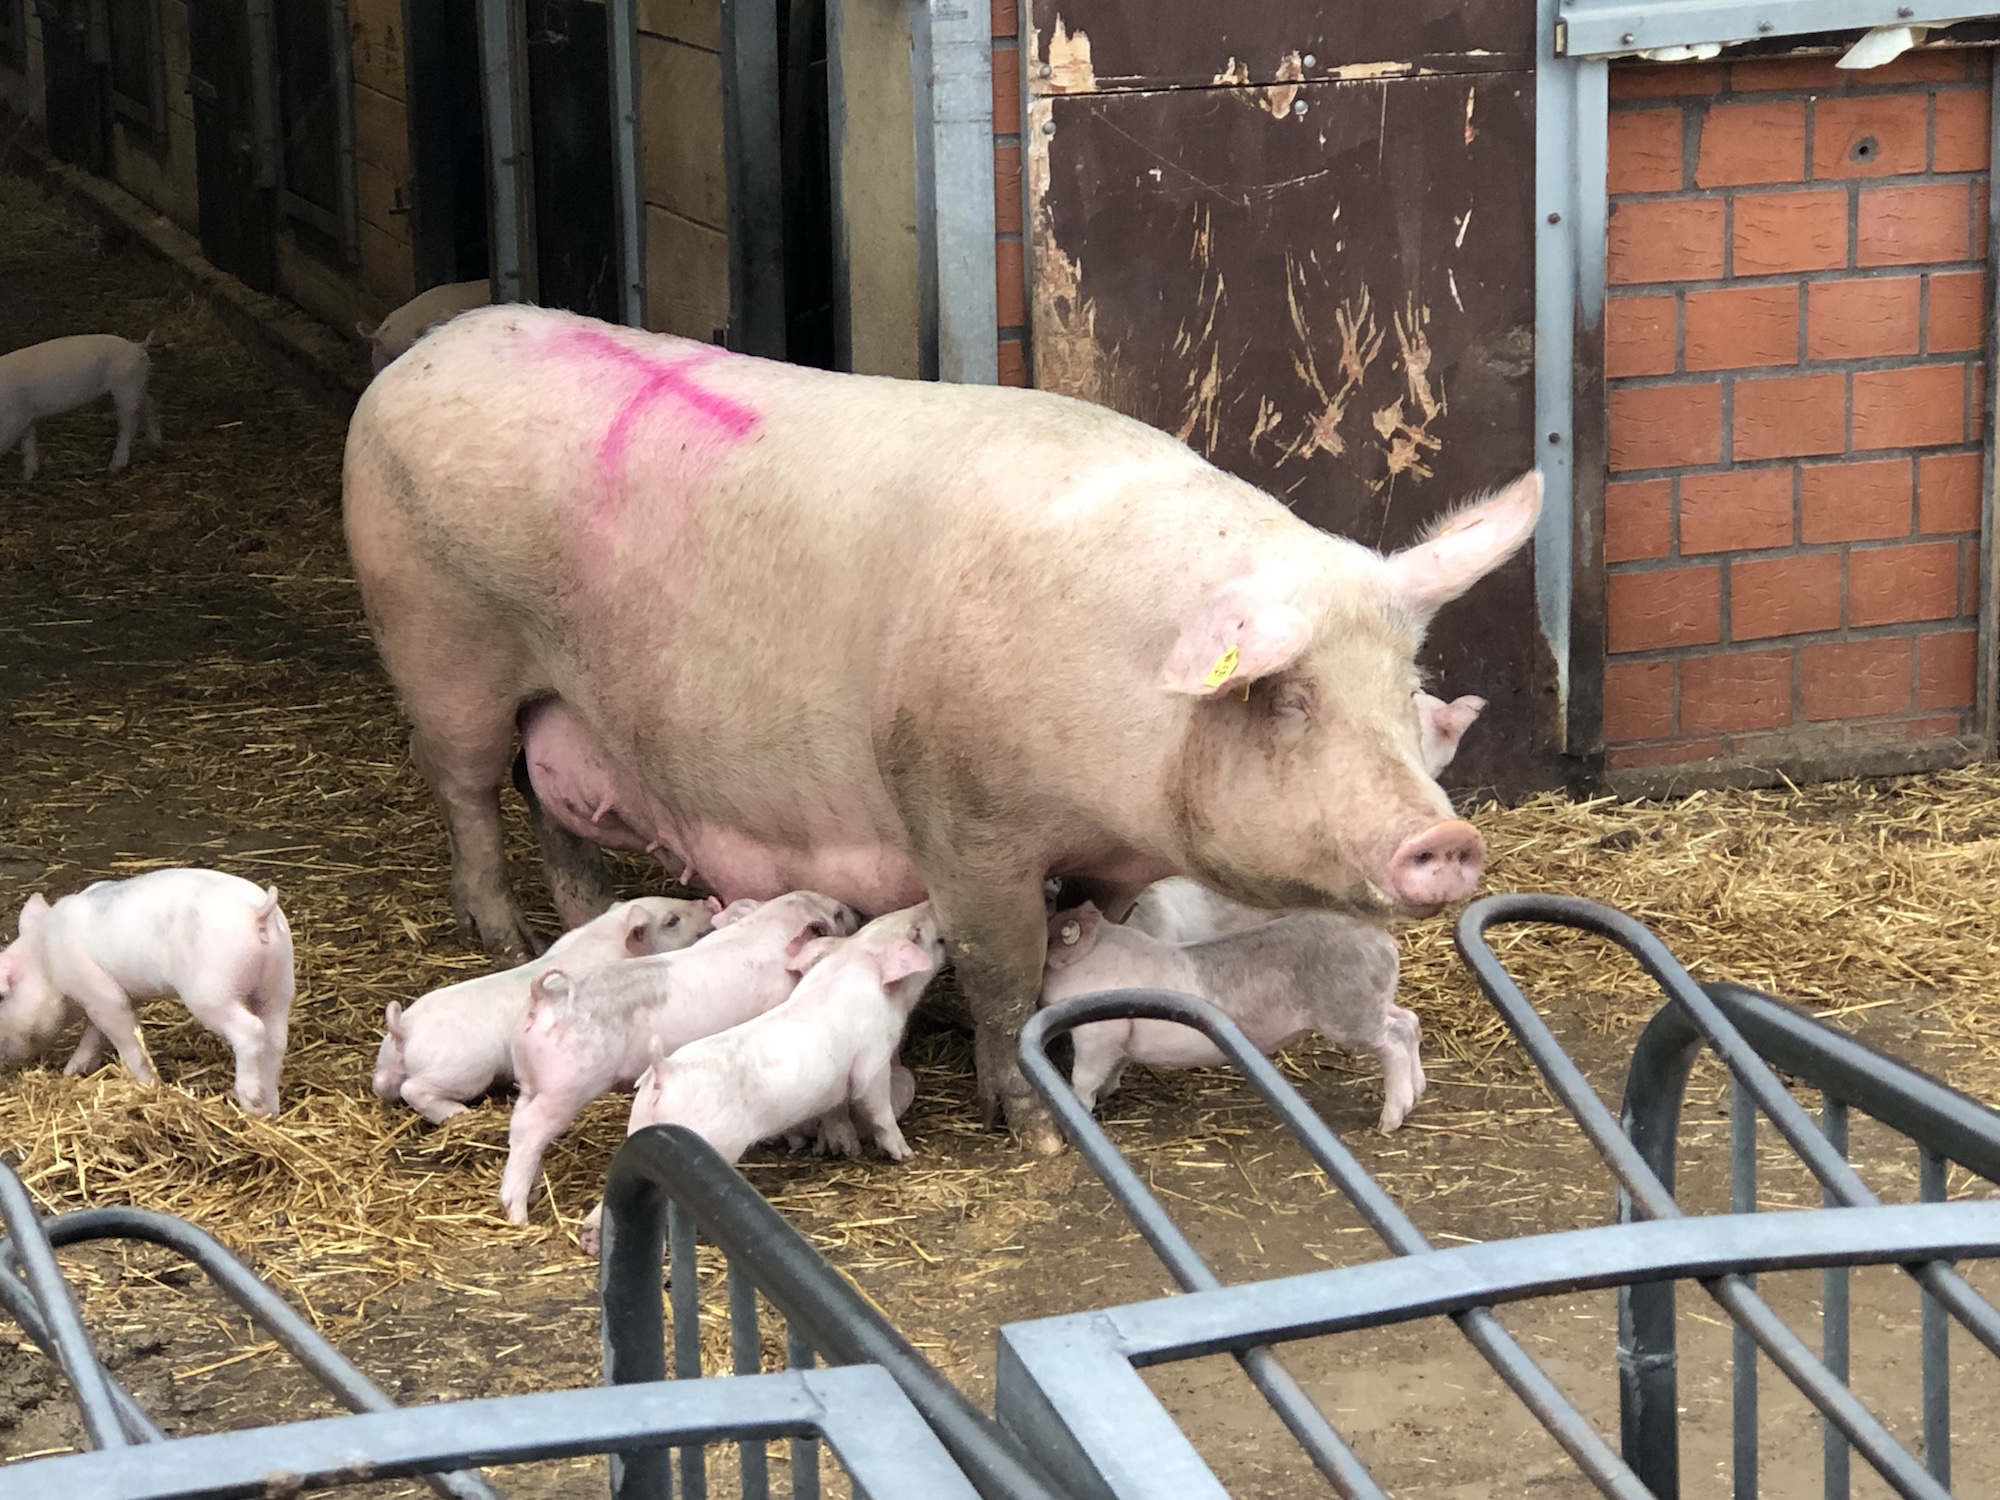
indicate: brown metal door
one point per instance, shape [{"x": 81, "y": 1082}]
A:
[{"x": 1300, "y": 237}]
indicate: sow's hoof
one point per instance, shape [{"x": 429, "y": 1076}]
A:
[{"x": 1041, "y": 1138}]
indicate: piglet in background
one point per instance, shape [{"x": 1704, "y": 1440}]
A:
[
  {"x": 390, "y": 339},
  {"x": 827, "y": 1055},
  {"x": 218, "y": 942},
  {"x": 46, "y": 380},
  {"x": 591, "y": 1032},
  {"x": 1304, "y": 972},
  {"x": 455, "y": 1043}
]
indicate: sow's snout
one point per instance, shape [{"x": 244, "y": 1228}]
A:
[{"x": 1438, "y": 866}]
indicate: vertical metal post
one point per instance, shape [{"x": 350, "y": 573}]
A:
[
  {"x": 503, "y": 82},
  {"x": 805, "y": 1450},
  {"x": 753, "y": 165},
  {"x": 622, "y": 17},
  {"x": 343, "y": 113},
  {"x": 263, "y": 93},
  {"x": 684, "y": 1296},
  {"x": 746, "y": 1352},
  {"x": 951, "y": 76},
  {"x": 836, "y": 153},
  {"x": 1743, "y": 1348},
  {"x": 1936, "y": 1345},
  {"x": 1834, "y": 1318},
  {"x": 1986, "y": 692},
  {"x": 1571, "y": 142}
]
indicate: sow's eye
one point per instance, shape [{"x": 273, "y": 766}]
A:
[{"x": 1292, "y": 700}]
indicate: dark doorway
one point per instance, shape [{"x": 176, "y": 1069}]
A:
[
  {"x": 78, "y": 127},
  {"x": 447, "y": 141},
  {"x": 234, "y": 202},
  {"x": 569, "y": 112},
  {"x": 807, "y": 171}
]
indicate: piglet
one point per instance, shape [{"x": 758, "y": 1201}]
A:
[
  {"x": 218, "y": 942},
  {"x": 390, "y": 339},
  {"x": 1303, "y": 972},
  {"x": 590, "y": 1032},
  {"x": 827, "y": 1055},
  {"x": 45, "y": 380},
  {"x": 455, "y": 1043}
]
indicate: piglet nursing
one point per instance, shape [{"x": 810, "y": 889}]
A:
[
  {"x": 218, "y": 942},
  {"x": 1303, "y": 972},
  {"x": 590, "y": 1032},
  {"x": 456, "y": 1043},
  {"x": 46, "y": 380},
  {"x": 826, "y": 1056}
]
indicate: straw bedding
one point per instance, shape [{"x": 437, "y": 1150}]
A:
[{"x": 188, "y": 679}]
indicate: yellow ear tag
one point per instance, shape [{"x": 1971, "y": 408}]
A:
[{"x": 1223, "y": 670}]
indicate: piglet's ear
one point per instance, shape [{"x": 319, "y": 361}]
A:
[
  {"x": 32, "y": 911},
  {"x": 901, "y": 959},
  {"x": 714, "y": 903},
  {"x": 637, "y": 935},
  {"x": 1443, "y": 725},
  {"x": 806, "y": 950},
  {"x": 1250, "y": 627},
  {"x": 1072, "y": 934},
  {"x": 1466, "y": 547}
]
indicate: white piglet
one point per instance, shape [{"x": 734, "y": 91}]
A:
[
  {"x": 1303, "y": 972},
  {"x": 455, "y": 1043},
  {"x": 827, "y": 1056},
  {"x": 219, "y": 943},
  {"x": 592, "y": 1032},
  {"x": 45, "y": 380}
]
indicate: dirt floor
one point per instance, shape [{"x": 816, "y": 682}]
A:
[{"x": 185, "y": 678}]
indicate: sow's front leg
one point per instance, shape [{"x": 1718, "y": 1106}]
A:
[{"x": 998, "y": 937}]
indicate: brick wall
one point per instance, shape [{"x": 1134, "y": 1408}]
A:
[
  {"x": 1794, "y": 389},
  {"x": 1009, "y": 263}
]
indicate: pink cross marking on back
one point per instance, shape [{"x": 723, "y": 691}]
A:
[{"x": 731, "y": 420}]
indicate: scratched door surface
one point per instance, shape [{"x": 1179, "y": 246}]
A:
[{"x": 1300, "y": 237}]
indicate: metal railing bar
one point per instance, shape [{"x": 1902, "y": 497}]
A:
[
  {"x": 684, "y": 1292},
  {"x": 746, "y": 1350},
  {"x": 1586, "y": 1448},
  {"x": 19, "y": 1304},
  {"x": 1935, "y": 1343},
  {"x": 1836, "y": 1326},
  {"x": 1742, "y": 1348},
  {"x": 805, "y": 1451},
  {"x": 28, "y": 1247}
]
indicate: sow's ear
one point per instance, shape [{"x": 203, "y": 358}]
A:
[
  {"x": 1467, "y": 546},
  {"x": 1251, "y": 627}
]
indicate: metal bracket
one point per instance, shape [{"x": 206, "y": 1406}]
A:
[{"x": 1619, "y": 28}]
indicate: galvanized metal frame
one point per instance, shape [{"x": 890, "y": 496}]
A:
[
  {"x": 622, "y": 21},
  {"x": 1574, "y": 40},
  {"x": 752, "y": 144},
  {"x": 951, "y": 76},
  {"x": 510, "y": 180}
]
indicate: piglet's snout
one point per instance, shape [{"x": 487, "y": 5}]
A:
[{"x": 1438, "y": 866}]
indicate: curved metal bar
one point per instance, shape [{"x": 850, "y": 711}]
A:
[
  {"x": 28, "y": 1248},
  {"x": 665, "y": 1162},
  {"x": 19, "y": 1304},
  {"x": 1550, "y": 1406},
  {"x": 271, "y": 1312}
]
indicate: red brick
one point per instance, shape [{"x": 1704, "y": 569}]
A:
[
  {"x": 1855, "y": 679},
  {"x": 1948, "y": 492},
  {"x": 1776, "y": 232},
  {"x": 1629, "y": 757},
  {"x": 1943, "y": 727},
  {"x": 1013, "y": 362},
  {"x": 1982, "y": 63},
  {"x": 1905, "y": 226},
  {"x": 1638, "y": 520},
  {"x": 1910, "y": 408},
  {"x": 1814, "y": 75},
  {"x": 1662, "y": 427},
  {"x": 1880, "y": 135},
  {"x": 1784, "y": 595},
  {"x": 1006, "y": 94},
  {"x": 1945, "y": 667},
  {"x": 1922, "y": 65},
  {"x": 1645, "y": 151},
  {"x": 1739, "y": 691},
  {"x": 1010, "y": 284},
  {"x": 1960, "y": 141},
  {"x": 1741, "y": 326},
  {"x": 1736, "y": 511},
  {"x": 1673, "y": 607},
  {"x": 1789, "y": 416},
  {"x": 1854, "y": 502},
  {"x": 1664, "y": 240},
  {"x": 1892, "y": 585},
  {"x": 1639, "y": 336},
  {"x": 1006, "y": 18},
  {"x": 1958, "y": 311},
  {"x": 1638, "y": 700},
  {"x": 1863, "y": 319},
  {"x": 1745, "y": 143},
  {"x": 1664, "y": 80},
  {"x": 1007, "y": 189}
]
